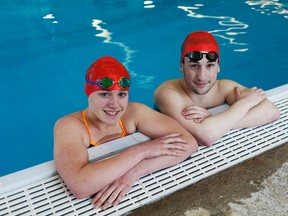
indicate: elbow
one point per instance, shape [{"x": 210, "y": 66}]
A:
[
  {"x": 79, "y": 192},
  {"x": 77, "y": 186},
  {"x": 193, "y": 144},
  {"x": 193, "y": 147},
  {"x": 81, "y": 189},
  {"x": 276, "y": 115},
  {"x": 207, "y": 142},
  {"x": 273, "y": 115},
  {"x": 79, "y": 195},
  {"x": 208, "y": 139}
]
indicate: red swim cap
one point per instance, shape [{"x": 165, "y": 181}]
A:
[
  {"x": 105, "y": 67},
  {"x": 199, "y": 41}
]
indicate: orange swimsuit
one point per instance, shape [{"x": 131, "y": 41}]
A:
[{"x": 92, "y": 143}]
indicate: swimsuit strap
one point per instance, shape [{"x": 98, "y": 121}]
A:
[
  {"x": 88, "y": 130},
  {"x": 122, "y": 127},
  {"x": 124, "y": 133}
]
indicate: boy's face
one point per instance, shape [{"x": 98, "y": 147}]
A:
[{"x": 200, "y": 76}]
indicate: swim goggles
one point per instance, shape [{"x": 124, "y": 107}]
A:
[
  {"x": 106, "y": 82},
  {"x": 197, "y": 56}
]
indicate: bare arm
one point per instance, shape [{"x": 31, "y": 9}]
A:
[
  {"x": 71, "y": 160},
  {"x": 85, "y": 179},
  {"x": 153, "y": 124},
  {"x": 213, "y": 127},
  {"x": 262, "y": 113}
]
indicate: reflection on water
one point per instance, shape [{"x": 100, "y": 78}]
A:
[
  {"x": 233, "y": 26},
  {"x": 148, "y": 4},
  {"x": 50, "y": 17},
  {"x": 269, "y": 7},
  {"x": 108, "y": 39},
  {"x": 143, "y": 81}
]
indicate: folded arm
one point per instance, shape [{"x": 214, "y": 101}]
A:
[
  {"x": 262, "y": 113},
  {"x": 211, "y": 128},
  {"x": 170, "y": 144},
  {"x": 152, "y": 124}
]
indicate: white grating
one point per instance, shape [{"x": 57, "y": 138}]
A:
[{"x": 50, "y": 196}]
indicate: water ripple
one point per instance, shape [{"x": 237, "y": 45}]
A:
[
  {"x": 269, "y": 7},
  {"x": 233, "y": 26},
  {"x": 145, "y": 82}
]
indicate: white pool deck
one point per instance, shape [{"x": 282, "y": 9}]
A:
[{"x": 40, "y": 191}]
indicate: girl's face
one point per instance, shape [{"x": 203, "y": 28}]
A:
[{"x": 108, "y": 105}]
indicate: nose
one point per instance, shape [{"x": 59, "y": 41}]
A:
[
  {"x": 201, "y": 74},
  {"x": 113, "y": 102}
]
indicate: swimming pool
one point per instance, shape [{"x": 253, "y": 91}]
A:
[{"x": 46, "y": 47}]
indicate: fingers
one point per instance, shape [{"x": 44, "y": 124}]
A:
[
  {"x": 194, "y": 116},
  {"x": 194, "y": 108},
  {"x": 169, "y": 145},
  {"x": 195, "y": 112},
  {"x": 259, "y": 92},
  {"x": 172, "y": 139},
  {"x": 175, "y": 149},
  {"x": 121, "y": 195},
  {"x": 172, "y": 135},
  {"x": 99, "y": 199},
  {"x": 253, "y": 95},
  {"x": 173, "y": 146},
  {"x": 110, "y": 195},
  {"x": 237, "y": 92}
]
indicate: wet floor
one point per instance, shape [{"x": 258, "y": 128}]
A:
[{"x": 258, "y": 186}]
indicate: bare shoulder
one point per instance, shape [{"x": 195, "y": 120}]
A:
[
  {"x": 70, "y": 129},
  {"x": 136, "y": 114},
  {"x": 169, "y": 84},
  {"x": 169, "y": 90},
  {"x": 227, "y": 84},
  {"x": 226, "y": 90},
  {"x": 71, "y": 119},
  {"x": 147, "y": 120},
  {"x": 135, "y": 109},
  {"x": 170, "y": 97}
]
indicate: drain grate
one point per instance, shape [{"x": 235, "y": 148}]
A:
[{"x": 50, "y": 196}]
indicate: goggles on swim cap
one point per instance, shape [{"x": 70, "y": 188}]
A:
[
  {"x": 106, "y": 82},
  {"x": 199, "y": 41},
  {"x": 197, "y": 56}
]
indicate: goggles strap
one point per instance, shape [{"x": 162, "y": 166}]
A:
[
  {"x": 197, "y": 56},
  {"x": 106, "y": 82}
]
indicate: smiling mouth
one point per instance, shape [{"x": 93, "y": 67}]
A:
[
  {"x": 111, "y": 113},
  {"x": 201, "y": 83}
]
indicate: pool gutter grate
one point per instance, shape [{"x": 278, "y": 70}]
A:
[{"x": 50, "y": 196}]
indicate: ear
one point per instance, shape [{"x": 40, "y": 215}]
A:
[
  {"x": 218, "y": 69},
  {"x": 182, "y": 67}
]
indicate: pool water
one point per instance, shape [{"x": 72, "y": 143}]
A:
[{"x": 46, "y": 47}]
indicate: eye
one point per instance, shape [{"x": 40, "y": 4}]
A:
[
  {"x": 193, "y": 65},
  {"x": 211, "y": 65},
  {"x": 104, "y": 94},
  {"x": 122, "y": 94}
]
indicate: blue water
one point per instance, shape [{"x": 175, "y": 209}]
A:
[{"x": 46, "y": 47}]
